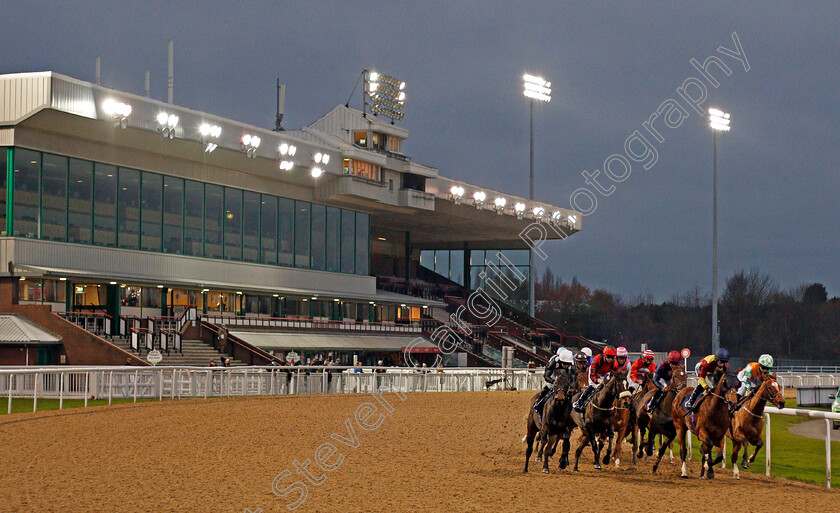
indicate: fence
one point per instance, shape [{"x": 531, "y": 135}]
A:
[
  {"x": 828, "y": 416},
  {"x": 319, "y": 324}
]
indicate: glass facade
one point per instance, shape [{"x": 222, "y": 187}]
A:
[
  {"x": 66, "y": 199},
  {"x": 511, "y": 263}
]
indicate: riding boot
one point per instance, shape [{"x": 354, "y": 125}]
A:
[
  {"x": 692, "y": 401},
  {"x": 580, "y": 404},
  {"x": 654, "y": 401},
  {"x": 538, "y": 404}
]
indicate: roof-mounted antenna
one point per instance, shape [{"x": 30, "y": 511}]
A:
[
  {"x": 347, "y": 103},
  {"x": 147, "y": 84},
  {"x": 98, "y": 72},
  {"x": 281, "y": 106},
  {"x": 171, "y": 78}
]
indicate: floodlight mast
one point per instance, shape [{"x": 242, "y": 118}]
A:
[
  {"x": 384, "y": 95},
  {"x": 718, "y": 122},
  {"x": 535, "y": 88}
]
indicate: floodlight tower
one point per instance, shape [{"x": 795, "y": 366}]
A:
[
  {"x": 719, "y": 122},
  {"x": 386, "y": 95},
  {"x": 536, "y": 88}
]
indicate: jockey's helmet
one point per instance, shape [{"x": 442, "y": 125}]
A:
[
  {"x": 722, "y": 355},
  {"x": 674, "y": 357},
  {"x": 766, "y": 362},
  {"x": 647, "y": 354}
]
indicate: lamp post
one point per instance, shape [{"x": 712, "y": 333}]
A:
[
  {"x": 719, "y": 122},
  {"x": 536, "y": 88}
]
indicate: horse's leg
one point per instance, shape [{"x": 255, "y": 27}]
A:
[
  {"x": 610, "y": 437},
  {"x": 596, "y": 448},
  {"x": 564, "y": 457},
  {"x": 552, "y": 441},
  {"x": 663, "y": 446},
  {"x": 529, "y": 437},
  {"x": 641, "y": 434},
  {"x": 541, "y": 445},
  {"x": 736, "y": 448},
  {"x": 681, "y": 429},
  {"x": 619, "y": 438},
  {"x": 584, "y": 436},
  {"x": 721, "y": 451},
  {"x": 758, "y": 445}
]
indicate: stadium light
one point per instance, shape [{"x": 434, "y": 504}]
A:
[
  {"x": 316, "y": 172},
  {"x": 287, "y": 150},
  {"x": 478, "y": 198},
  {"x": 249, "y": 145},
  {"x": 456, "y": 192},
  {"x": 386, "y": 95},
  {"x": 118, "y": 111},
  {"x": 719, "y": 122},
  {"x": 535, "y": 88},
  {"x": 500, "y": 205},
  {"x": 167, "y": 124},
  {"x": 556, "y": 217},
  {"x": 519, "y": 210},
  {"x": 538, "y": 212},
  {"x": 208, "y": 133}
]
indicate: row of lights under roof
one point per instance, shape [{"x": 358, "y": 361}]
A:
[
  {"x": 479, "y": 198},
  {"x": 249, "y": 144}
]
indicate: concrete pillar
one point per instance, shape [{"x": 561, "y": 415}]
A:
[
  {"x": 164, "y": 296},
  {"x": 112, "y": 306},
  {"x": 69, "y": 295}
]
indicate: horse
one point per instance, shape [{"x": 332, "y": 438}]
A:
[
  {"x": 556, "y": 424},
  {"x": 748, "y": 422},
  {"x": 660, "y": 421},
  {"x": 598, "y": 418},
  {"x": 711, "y": 422},
  {"x": 640, "y": 416},
  {"x": 622, "y": 425}
]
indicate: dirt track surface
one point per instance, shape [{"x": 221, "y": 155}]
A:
[
  {"x": 435, "y": 452},
  {"x": 814, "y": 429}
]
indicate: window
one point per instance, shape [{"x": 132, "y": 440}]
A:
[
  {"x": 27, "y": 191},
  {"x": 363, "y": 169},
  {"x": 348, "y": 246},
  {"x": 80, "y": 202},
  {"x": 302, "y": 227},
  {"x": 251, "y": 227},
  {"x": 213, "y": 218},
  {"x": 193, "y": 218},
  {"x": 129, "y": 208},
  {"x": 456, "y": 266},
  {"x": 415, "y": 182},
  {"x": 378, "y": 141},
  {"x": 333, "y": 239},
  {"x": 362, "y": 243},
  {"x": 54, "y": 198},
  {"x": 286, "y": 240},
  {"x": 105, "y": 205},
  {"x": 268, "y": 229},
  {"x": 152, "y": 217},
  {"x": 319, "y": 220},
  {"x": 3, "y": 160},
  {"x": 360, "y": 139},
  {"x": 442, "y": 263},
  {"x": 233, "y": 224},
  {"x": 173, "y": 215},
  {"x": 395, "y": 144}
]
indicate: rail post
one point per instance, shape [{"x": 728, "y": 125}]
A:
[
  {"x": 207, "y": 383},
  {"x": 135, "y": 385},
  {"x": 160, "y": 385},
  {"x": 35, "y": 394},
  {"x": 60, "y": 378},
  {"x": 827, "y": 453},
  {"x": 87, "y": 387},
  {"x": 767, "y": 445},
  {"x": 10, "y": 394},
  {"x": 110, "y": 386}
]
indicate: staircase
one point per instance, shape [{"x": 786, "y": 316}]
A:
[{"x": 195, "y": 354}]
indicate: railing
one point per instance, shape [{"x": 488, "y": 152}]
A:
[
  {"x": 97, "y": 323},
  {"x": 828, "y": 416},
  {"x": 316, "y": 324},
  {"x": 158, "y": 382},
  {"x": 170, "y": 340},
  {"x": 127, "y": 323},
  {"x": 141, "y": 338}
]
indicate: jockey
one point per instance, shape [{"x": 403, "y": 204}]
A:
[
  {"x": 752, "y": 373},
  {"x": 561, "y": 362},
  {"x": 622, "y": 364},
  {"x": 642, "y": 366},
  {"x": 602, "y": 365},
  {"x": 662, "y": 378},
  {"x": 706, "y": 368},
  {"x": 581, "y": 363},
  {"x": 588, "y": 353}
]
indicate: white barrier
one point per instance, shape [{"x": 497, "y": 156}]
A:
[{"x": 828, "y": 416}]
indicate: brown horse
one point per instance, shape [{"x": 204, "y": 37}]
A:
[
  {"x": 659, "y": 421},
  {"x": 710, "y": 424},
  {"x": 640, "y": 414},
  {"x": 598, "y": 416},
  {"x": 749, "y": 421},
  {"x": 622, "y": 425},
  {"x": 556, "y": 424}
]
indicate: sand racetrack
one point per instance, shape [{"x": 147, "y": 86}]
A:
[{"x": 434, "y": 452}]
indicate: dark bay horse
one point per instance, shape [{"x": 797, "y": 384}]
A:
[
  {"x": 598, "y": 416},
  {"x": 660, "y": 421},
  {"x": 556, "y": 423},
  {"x": 641, "y": 419},
  {"x": 710, "y": 424},
  {"x": 748, "y": 422}
]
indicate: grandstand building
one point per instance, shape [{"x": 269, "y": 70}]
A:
[{"x": 123, "y": 214}]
